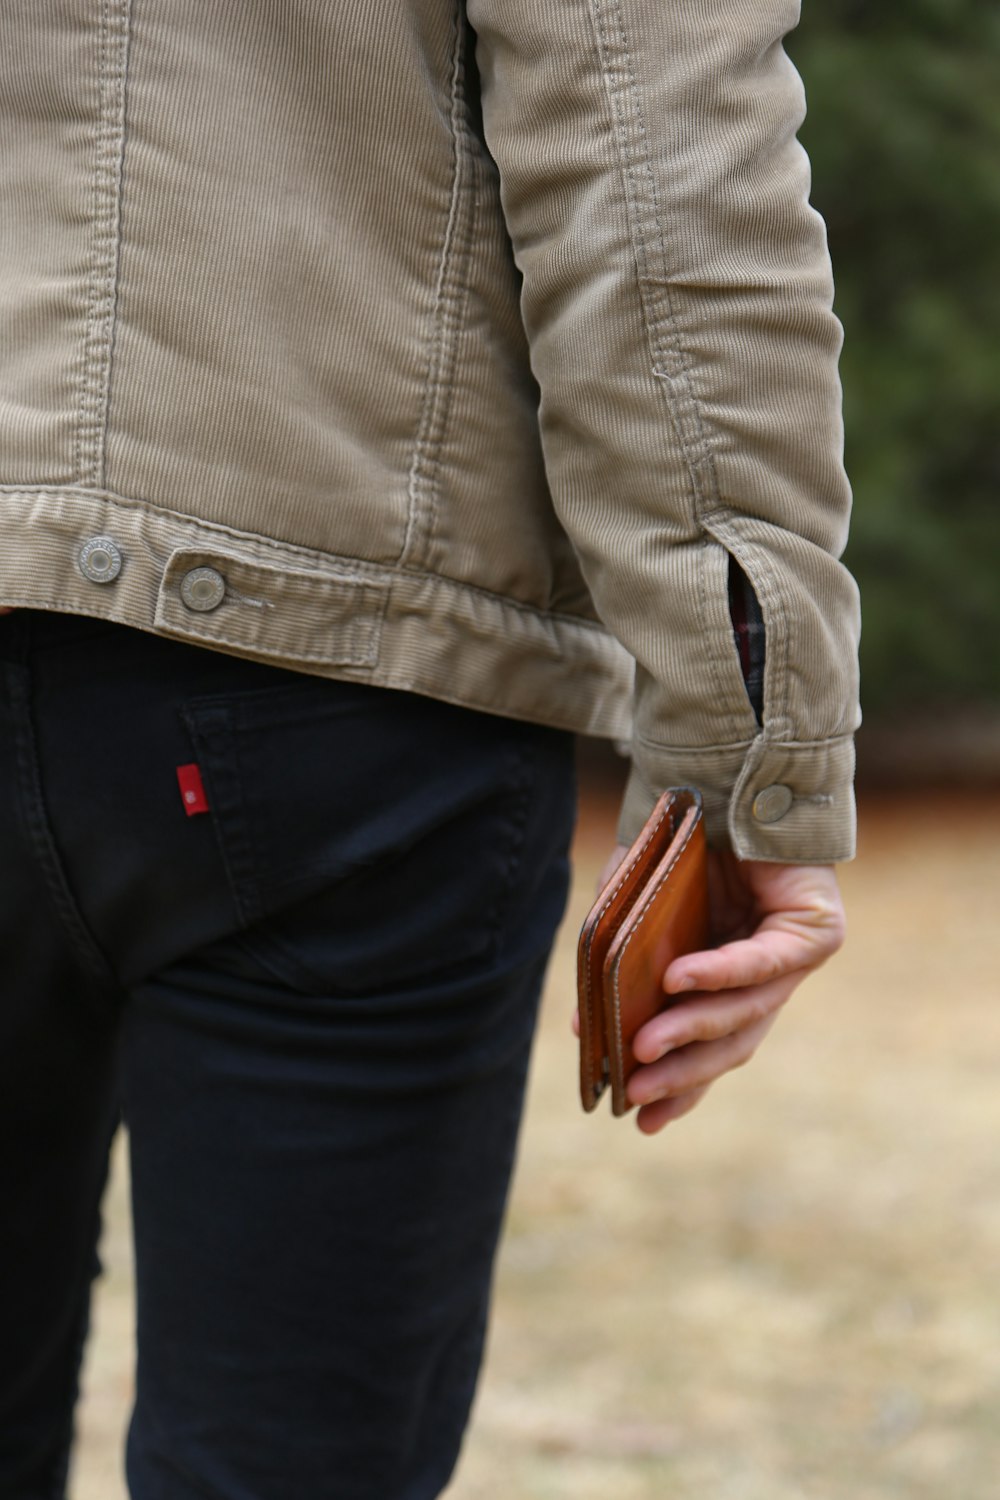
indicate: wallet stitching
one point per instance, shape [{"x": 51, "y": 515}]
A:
[
  {"x": 616, "y": 997},
  {"x": 588, "y": 1010}
]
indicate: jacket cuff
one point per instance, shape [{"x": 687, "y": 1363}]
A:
[{"x": 785, "y": 803}]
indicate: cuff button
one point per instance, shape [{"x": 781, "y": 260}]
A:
[{"x": 771, "y": 804}]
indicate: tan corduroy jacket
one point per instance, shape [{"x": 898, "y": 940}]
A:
[{"x": 408, "y": 341}]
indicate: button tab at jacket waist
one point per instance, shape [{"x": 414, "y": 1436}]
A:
[
  {"x": 203, "y": 589},
  {"x": 231, "y": 600}
]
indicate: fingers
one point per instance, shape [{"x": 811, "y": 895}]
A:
[
  {"x": 653, "y": 1117},
  {"x": 729, "y": 996},
  {"x": 711, "y": 1017},
  {"x": 756, "y": 960},
  {"x": 784, "y": 942},
  {"x": 696, "y": 1065}
]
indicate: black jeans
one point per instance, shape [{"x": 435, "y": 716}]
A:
[{"x": 313, "y": 1005}]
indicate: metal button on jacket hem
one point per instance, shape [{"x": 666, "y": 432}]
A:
[
  {"x": 203, "y": 589},
  {"x": 100, "y": 560}
]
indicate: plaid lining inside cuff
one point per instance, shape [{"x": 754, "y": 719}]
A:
[{"x": 748, "y": 633}]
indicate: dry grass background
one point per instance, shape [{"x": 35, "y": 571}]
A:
[{"x": 790, "y": 1295}]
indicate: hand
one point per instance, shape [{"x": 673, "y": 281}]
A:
[{"x": 775, "y": 924}]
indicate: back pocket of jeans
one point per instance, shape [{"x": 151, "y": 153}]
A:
[{"x": 370, "y": 837}]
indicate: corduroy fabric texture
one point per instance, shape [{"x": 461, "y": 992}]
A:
[{"x": 465, "y": 344}]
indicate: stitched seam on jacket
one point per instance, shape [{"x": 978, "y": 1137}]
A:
[
  {"x": 764, "y": 743},
  {"x": 449, "y": 304},
  {"x": 114, "y": 274},
  {"x": 106, "y": 197},
  {"x": 671, "y": 363},
  {"x": 354, "y": 653}
]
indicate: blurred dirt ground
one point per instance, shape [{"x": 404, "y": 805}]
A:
[{"x": 791, "y": 1294}]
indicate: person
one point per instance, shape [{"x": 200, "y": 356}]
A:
[{"x": 386, "y": 394}]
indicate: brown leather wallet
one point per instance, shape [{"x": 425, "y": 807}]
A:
[{"x": 653, "y": 909}]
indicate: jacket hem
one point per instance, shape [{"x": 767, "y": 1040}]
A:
[{"x": 316, "y": 613}]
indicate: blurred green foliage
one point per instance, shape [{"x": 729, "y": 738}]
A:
[{"x": 904, "y": 136}]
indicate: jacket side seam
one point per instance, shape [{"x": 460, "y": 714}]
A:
[
  {"x": 110, "y": 146},
  {"x": 449, "y": 301}
]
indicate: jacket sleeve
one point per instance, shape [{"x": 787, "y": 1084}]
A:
[{"x": 677, "y": 299}]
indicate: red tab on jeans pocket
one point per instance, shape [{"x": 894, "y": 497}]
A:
[{"x": 192, "y": 789}]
